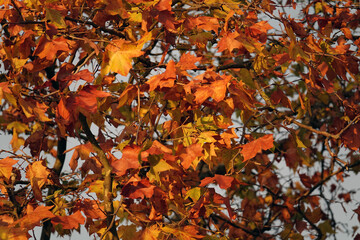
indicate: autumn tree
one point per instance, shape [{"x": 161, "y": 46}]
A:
[{"x": 180, "y": 119}]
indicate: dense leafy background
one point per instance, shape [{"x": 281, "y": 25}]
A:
[{"x": 192, "y": 119}]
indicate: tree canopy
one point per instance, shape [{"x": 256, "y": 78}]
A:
[{"x": 179, "y": 119}]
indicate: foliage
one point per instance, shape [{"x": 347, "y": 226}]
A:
[{"x": 191, "y": 119}]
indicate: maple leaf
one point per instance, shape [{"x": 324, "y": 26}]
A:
[
  {"x": 86, "y": 98},
  {"x": 190, "y": 154},
  {"x": 203, "y": 22},
  {"x": 48, "y": 49},
  {"x": 259, "y": 30},
  {"x": 82, "y": 151},
  {"x": 128, "y": 95},
  {"x": 33, "y": 217},
  {"x": 229, "y": 42},
  {"x": 118, "y": 56},
  {"x": 85, "y": 75},
  {"x": 138, "y": 189},
  {"x": 250, "y": 150},
  {"x": 165, "y": 79},
  {"x": 69, "y": 222},
  {"x": 187, "y": 61},
  {"x": 38, "y": 174},
  {"x": 279, "y": 97},
  {"x": 150, "y": 233},
  {"x": 351, "y": 137},
  {"x": 129, "y": 159},
  {"x": 224, "y": 182},
  {"x": 6, "y": 167},
  {"x": 62, "y": 113},
  {"x": 91, "y": 209}
]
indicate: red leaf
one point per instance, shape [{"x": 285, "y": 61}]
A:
[
  {"x": 357, "y": 211},
  {"x": 69, "y": 222},
  {"x": 250, "y": 150},
  {"x": 138, "y": 189}
]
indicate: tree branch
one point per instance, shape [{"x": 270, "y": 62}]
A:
[{"x": 108, "y": 197}]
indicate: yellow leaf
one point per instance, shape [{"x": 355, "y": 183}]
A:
[
  {"x": 118, "y": 56},
  {"x": 97, "y": 187},
  {"x": 18, "y": 126},
  {"x": 19, "y": 63},
  {"x": 299, "y": 143},
  {"x": 194, "y": 194},
  {"x": 16, "y": 142},
  {"x": 151, "y": 233},
  {"x": 157, "y": 166}
]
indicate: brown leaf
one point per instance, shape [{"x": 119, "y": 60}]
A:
[
  {"x": 357, "y": 211},
  {"x": 138, "y": 189}
]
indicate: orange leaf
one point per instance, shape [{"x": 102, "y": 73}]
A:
[
  {"x": 165, "y": 79},
  {"x": 229, "y": 42},
  {"x": 87, "y": 98},
  {"x": 85, "y": 75},
  {"x": 34, "y": 217},
  {"x": 187, "y": 61},
  {"x": 224, "y": 182},
  {"x": 62, "y": 112},
  {"x": 38, "y": 174},
  {"x": 250, "y": 150},
  {"x": 128, "y": 160},
  {"x": 69, "y": 222},
  {"x": 127, "y": 96},
  {"x": 191, "y": 153},
  {"x": 203, "y": 22},
  {"x": 6, "y": 166},
  {"x": 48, "y": 49}
]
